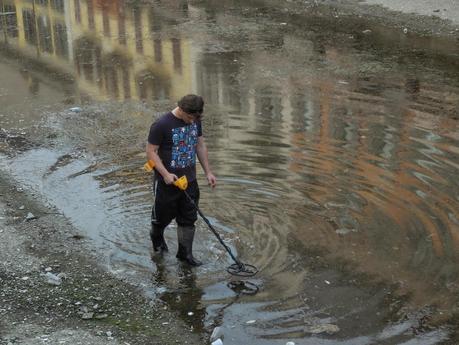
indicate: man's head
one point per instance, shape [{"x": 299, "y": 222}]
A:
[{"x": 192, "y": 106}]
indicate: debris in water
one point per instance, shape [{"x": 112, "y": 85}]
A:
[
  {"x": 321, "y": 328},
  {"x": 216, "y": 334},
  {"x": 53, "y": 279}
]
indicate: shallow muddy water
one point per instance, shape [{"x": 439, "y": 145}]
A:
[{"x": 335, "y": 142}]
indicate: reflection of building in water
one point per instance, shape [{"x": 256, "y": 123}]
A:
[{"x": 114, "y": 49}]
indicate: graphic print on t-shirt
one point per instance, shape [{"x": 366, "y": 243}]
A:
[{"x": 184, "y": 141}]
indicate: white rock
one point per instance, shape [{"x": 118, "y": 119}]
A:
[
  {"x": 289, "y": 343},
  {"x": 217, "y": 342},
  {"x": 251, "y": 321},
  {"x": 52, "y": 279},
  {"x": 30, "y": 216}
]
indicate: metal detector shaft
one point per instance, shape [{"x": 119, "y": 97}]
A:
[{"x": 213, "y": 230}]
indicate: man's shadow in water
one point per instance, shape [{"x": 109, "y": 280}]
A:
[{"x": 185, "y": 297}]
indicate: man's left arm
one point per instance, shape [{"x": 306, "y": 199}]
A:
[{"x": 203, "y": 156}]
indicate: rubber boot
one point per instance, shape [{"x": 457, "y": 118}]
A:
[
  {"x": 157, "y": 239},
  {"x": 185, "y": 236}
]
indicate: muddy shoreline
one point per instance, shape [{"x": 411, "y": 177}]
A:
[{"x": 89, "y": 306}]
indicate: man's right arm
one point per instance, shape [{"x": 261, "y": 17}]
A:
[{"x": 152, "y": 154}]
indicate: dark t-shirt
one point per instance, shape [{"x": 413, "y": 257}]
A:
[{"x": 177, "y": 142}]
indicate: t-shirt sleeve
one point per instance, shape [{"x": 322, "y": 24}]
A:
[{"x": 155, "y": 137}]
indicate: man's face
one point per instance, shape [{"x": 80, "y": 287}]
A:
[{"x": 191, "y": 117}]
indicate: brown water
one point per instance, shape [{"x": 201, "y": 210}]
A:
[{"x": 336, "y": 151}]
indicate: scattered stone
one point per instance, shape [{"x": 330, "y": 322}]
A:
[
  {"x": 62, "y": 276},
  {"x": 30, "y": 216},
  {"x": 251, "y": 322},
  {"x": 190, "y": 313},
  {"x": 87, "y": 316},
  {"x": 344, "y": 231},
  {"x": 22, "y": 207},
  {"x": 76, "y": 110},
  {"x": 289, "y": 343},
  {"x": 101, "y": 316},
  {"x": 217, "y": 342}
]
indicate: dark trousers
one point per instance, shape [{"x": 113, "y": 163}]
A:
[{"x": 171, "y": 203}]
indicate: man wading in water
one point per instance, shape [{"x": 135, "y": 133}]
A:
[{"x": 174, "y": 141}]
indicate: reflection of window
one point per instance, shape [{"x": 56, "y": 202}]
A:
[
  {"x": 44, "y": 35},
  {"x": 30, "y": 33},
  {"x": 155, "y": 21},
  {"x": 41, "y": 2},
  {"x": 121, "y": 27},
  {"x": 60, "y": 39},
  {"x": 126, "y": 84},
  {"x": 177, "y": 54},
  {"x": 91, "y": 15},
  {"x": 152, "y": 87},
  {"x": 10, "y": 20},
  {"x": 58, "y": 5},
  {"x": 158, "y": 50},
  {"x": 77, "y": 11},
  {"x": 111, "y": 81},
  {"x": 106, "y": 22},
  {"x": 138, "y": 30}
]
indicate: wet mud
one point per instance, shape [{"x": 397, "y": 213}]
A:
[{"x": 334, "y": 136}]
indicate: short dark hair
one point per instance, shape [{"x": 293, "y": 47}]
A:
[{"x": 191, "y": 104}]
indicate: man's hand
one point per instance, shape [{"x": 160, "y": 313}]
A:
[
  {"x": 170, "y": 178},
  {"x": 211, "y": 179}
]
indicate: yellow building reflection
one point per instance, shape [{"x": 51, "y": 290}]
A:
[{"x": 113, "y": 49}]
